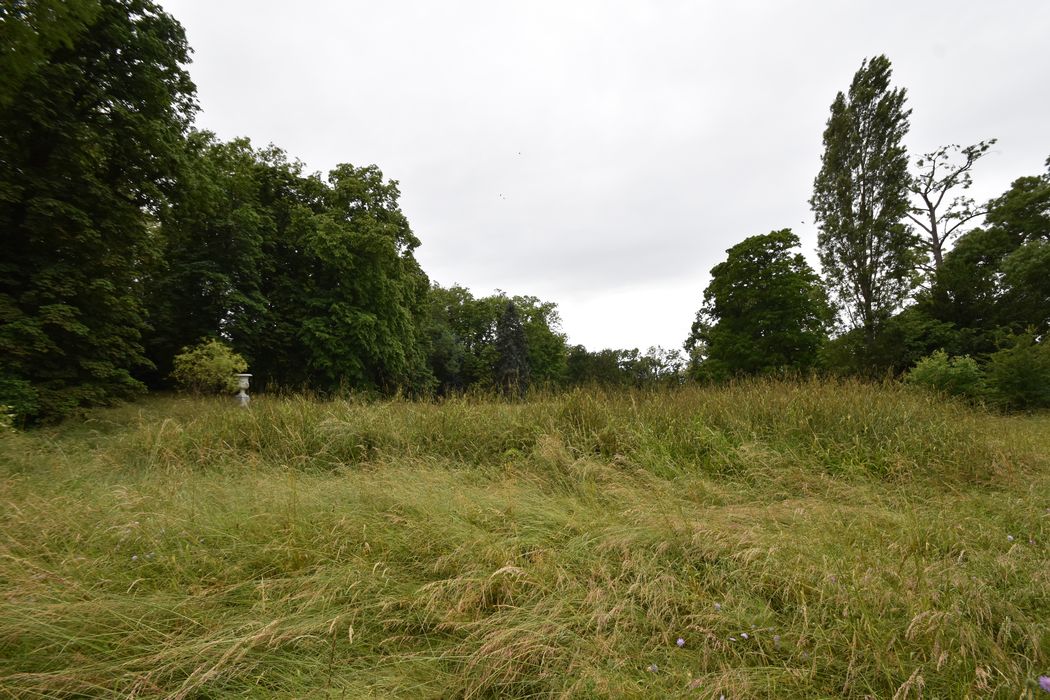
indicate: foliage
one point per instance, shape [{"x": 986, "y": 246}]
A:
[
  {"x": 208, "y": 368},
  {"x": 551, "y": 548},
  {"x": 1019, "y": 375},
  {"x": 955, "y": 376},
  {"x": 860, "y": 197},
  {"x": 461, "y": 333},
  {"x": 996, "y": 280},
  {"x": 941, "y": 220},
  {"x": 91, "y": 116},
  {"x": 512, "y": 365},
  {"x": 315, "y": 282},
  {"x": 764, "y": 311},
  {"x": 31, "y": 31}
]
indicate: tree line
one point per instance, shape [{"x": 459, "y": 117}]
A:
[
  {"x": 129, "y": 236},
  {"x": 904, "y": 274}
]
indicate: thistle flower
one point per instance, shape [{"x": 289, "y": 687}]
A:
[
  {"x": 680, "y": 642},
  {"x": 654, "y": 668},
  {"x": 1044, "y": 683},
  {"x": 718, "y": 607}
]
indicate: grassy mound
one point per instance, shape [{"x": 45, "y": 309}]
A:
[{"x": 801, "y": 540}]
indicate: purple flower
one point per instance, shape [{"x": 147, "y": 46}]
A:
[
  {"x": 1044, "y": 683},
  {"x": 744, "y": 635},
  {"x": 718, "y": 607},
  {"x": 680, "y": 642},
  {"x": 732, "y": 639},
  {"x": 654, "y": 668},
  {"x": 776, "y": 640},
  {"x": 1009, "y": 538}
]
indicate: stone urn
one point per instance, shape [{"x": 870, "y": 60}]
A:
[{"x": 243, "y": 380}]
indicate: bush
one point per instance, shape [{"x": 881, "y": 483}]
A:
[
  {"x": 19, "y": 400},
  {"x": 1019, "y": 376},
  {"x": 955, "y": 376},
  {"x": 208, "y": 368}
]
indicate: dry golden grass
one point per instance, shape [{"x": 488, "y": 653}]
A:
[{"x": 804, "y": 540}]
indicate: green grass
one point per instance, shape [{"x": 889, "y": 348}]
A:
[{"x": 860, "y": 537}]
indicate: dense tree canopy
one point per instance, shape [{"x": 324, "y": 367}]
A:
[
  {"x": 92, "y": 115},
  {"x": 313, "y": 281},
  {"x": 764, "y": 310}
]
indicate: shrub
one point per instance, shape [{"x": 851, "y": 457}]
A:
[
  {"x": 955, "y": 376},
  {"x": 19, "y": 400},
  {"x": 1019, "y": 376},
  {"x": 208, "y": 367}
]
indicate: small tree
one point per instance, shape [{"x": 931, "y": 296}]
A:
[
  {"x": 764, "y": 310},
  {"x": 208, "y": 368},
  {"x": 512, "y": 368},
  {"x": 1019, "y": 376},
  {"x": 955, "y": 376}
]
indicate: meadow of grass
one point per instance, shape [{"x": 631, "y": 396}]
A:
[{"x": 780, "y": 540}]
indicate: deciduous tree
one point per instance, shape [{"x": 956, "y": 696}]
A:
[
  {"x": 939, "y": 215},
  {"x": 764, "y": 310},
  {"x": 91, "y": 125},
  {"x": 860, "y": 199}
]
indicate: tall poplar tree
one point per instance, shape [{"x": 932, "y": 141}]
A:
[{"x": 860, "y": 199}]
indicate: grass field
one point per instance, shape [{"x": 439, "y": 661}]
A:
[{"x": 812, "y": 540}]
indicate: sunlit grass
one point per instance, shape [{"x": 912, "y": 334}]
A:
[{"x": 804, "y": 540}]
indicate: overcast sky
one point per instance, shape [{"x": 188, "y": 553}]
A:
[{"x": 603, "y": 155}]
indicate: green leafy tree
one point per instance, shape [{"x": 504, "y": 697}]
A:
[
  {"x": 208, "y": 367},
  {"x": 218, "y": 231},
  {"x": 955, "y": 376},
  {"x": 764, "y": 310},
  {"x": 546, "y": 344},
  {"x": 31, "y": 30},
  {"x": 92, "y": 119},
  {"x": 996, "y": 280},
  {"x": 512, "y": 369},
  {"x": 363, "y": 299},
  {"x": 1019, "y": 374},
  {"x": 860, "y": 198}
]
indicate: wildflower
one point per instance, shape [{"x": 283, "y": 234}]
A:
[
  {"x": 744, "y": 635},
  {"x": 732, "y": 639},
  {"x": 680, "y": 642},
  {"x": 134, "y": 557},
  {"x": 1044, "y": 683},
  {"x": 654, "y": 668},
  {"x": 1009, "y": 538},
  {"x": 718, "y": 607},
  {"x": 776, "y": 640}
]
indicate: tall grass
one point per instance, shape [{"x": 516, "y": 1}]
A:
[{"x": 803, "y": 540}]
